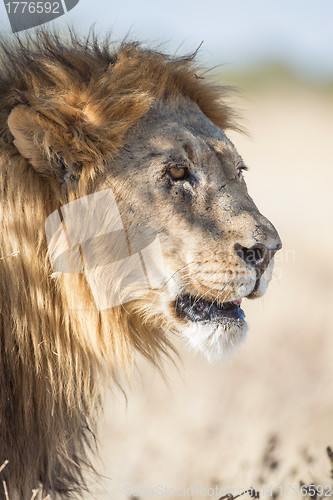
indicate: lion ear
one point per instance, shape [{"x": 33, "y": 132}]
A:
[{"x": 33, "y": 137}]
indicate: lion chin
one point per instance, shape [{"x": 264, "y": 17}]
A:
[
  {"x": 216, "y": 329},
  {"x": 213, "y": 329},
  {"x": 215, "y": 341}
]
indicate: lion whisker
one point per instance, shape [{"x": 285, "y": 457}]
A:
[
  {"x": 217, "y": 296},
  {"x": 174, "y": 274}
]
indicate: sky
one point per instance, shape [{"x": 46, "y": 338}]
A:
[{"x": 237, "y": 33}]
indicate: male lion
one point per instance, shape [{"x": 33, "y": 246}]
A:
[{"x": 78, "y": 118}]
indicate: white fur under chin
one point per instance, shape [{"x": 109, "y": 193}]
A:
[{"x": 214, "y": 341}]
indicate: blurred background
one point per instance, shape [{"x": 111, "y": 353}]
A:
[{"x": 264, "y": 418}]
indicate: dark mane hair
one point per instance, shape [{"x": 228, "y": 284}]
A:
[{"x": 38, "y": 66}]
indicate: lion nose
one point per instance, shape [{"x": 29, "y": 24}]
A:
[{"x": 258, "y": 256}]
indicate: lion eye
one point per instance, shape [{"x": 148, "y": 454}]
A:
[
  {"x": 240, "y": 170},
  {"x": 178, "y": 173}
]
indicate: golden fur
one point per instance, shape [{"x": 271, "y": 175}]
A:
[{"x": 69, "y": 105}]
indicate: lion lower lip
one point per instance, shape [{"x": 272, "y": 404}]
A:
[{"x": 202, "y": 310}]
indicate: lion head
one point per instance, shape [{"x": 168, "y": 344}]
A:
[{"x": 80, "y": 118}]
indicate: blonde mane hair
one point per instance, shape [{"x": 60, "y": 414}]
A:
[{"x": 56, "y": 349}]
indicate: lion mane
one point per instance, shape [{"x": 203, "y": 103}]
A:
[{"x": 66, "y": 105}]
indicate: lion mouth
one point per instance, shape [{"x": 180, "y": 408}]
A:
[{"x": 202, "y": 310}]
